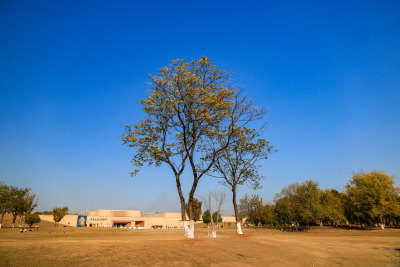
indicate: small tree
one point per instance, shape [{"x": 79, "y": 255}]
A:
[
  {"x": 17, "y": 201},
  {"x": 236, "y": 165},
  {"x": 59, "y": 213},
  {"x": 206, "y": 217},
  {"x": 208, "y": 200},
  {"x": 217, "y": 198},
  {"x": 217, "y": 218},
  {"x": 31, "y": 219}
]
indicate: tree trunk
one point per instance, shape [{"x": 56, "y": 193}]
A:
[
  {"x": 238, "y": 221},
  {"x": 182, "y": 200},
  {"x": 14, "y": 219},
  {"x": 21, "y": 221},
  {"x": 1, "y": 221},
  {"x": 382, "y": 224},
  {"x": 212, "y": 227},
  {"x": 190, "y": 206}
]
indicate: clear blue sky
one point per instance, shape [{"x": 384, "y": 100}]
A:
[{"x": 72, "y": 73}]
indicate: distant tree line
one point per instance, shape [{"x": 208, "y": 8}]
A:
[
  {"x": 18, "y": 202},
  {"x": 46, "y": 212},
  {"x": 368, "y": 199}
]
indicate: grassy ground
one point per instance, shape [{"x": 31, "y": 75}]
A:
[{"x": 52, "y": 246}]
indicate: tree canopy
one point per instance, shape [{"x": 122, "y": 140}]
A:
[
  {"x": 32, "y": 219},
  {"x": 216, "y": 217},
  {"x": 372, "y": 198},
  {"x": 206, "y": 217}
]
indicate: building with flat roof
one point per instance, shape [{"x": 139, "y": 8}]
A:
[
  {"x": 121, "y": 218},
  {"x": 133, "y": 219}
]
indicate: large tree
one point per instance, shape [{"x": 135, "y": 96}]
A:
[
  {"x": 29, "y": 203},
  {"x": 189, "y": 103},
  {"x": 236, "y": 165},
  {"x": 372, "y": 198},
  {"x": 156, "y": 140},
  {"x": 17, "y": 201}
]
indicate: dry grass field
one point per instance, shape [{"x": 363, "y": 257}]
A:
[{"x": 61, "y": 246}]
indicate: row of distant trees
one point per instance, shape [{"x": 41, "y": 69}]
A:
[
  {"x": 368, "y": 199},
  {"x": 20, "y": 203}
]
